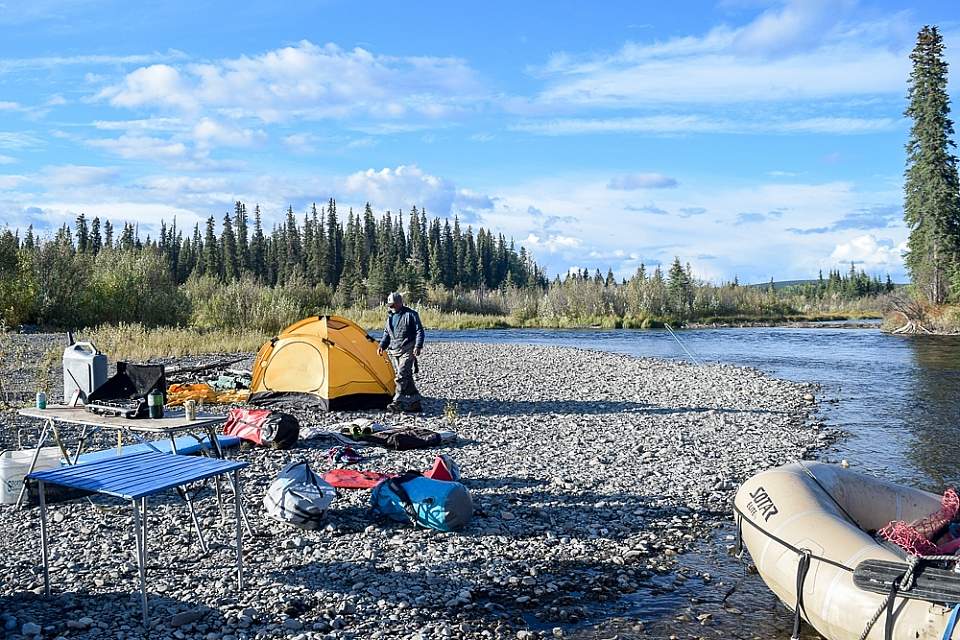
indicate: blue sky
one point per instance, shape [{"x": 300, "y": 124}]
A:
[{"x": 751, "y": 138}]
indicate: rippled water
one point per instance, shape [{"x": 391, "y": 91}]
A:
[{"x": 896, "y": 397}]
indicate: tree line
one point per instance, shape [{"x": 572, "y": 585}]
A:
[{"x": 241, "y": 276}]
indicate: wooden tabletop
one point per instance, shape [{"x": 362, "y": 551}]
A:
[{"x": 172, "y": 420}]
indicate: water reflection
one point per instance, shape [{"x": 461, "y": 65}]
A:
[{"x": 934, "y": 406}]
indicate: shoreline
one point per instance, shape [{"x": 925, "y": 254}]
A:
[{"x": 592, "y": 473}]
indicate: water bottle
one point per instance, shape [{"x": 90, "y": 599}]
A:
[
  {"x": 41, "y": 400},
  {"x": 155, "y": 404}
]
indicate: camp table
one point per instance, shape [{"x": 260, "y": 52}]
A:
[
  {"x": 135, "y": 478},
  {"x": 168, "y": 426}
]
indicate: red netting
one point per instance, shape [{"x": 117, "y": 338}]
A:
[{"x": 915, "y": 537}]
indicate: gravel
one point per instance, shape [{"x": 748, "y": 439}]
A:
[{"x": 592, "y": 475}]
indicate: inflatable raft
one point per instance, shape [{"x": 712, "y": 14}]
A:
[{"x": 809, "y": 528}]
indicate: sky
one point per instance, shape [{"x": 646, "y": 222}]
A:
[{"x": 750, "y": 138}]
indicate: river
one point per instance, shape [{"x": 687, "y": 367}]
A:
[{"x": 897, "y": 399}]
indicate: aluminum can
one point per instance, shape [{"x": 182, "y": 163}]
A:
[
  {"x": 41, "y": 400},
  {"x": 190, "y": 408}
]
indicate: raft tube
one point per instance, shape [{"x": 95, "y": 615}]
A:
[{"x": 827, "y": 513}]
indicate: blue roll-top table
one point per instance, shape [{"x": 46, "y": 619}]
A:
[{"x": 135, "y": 478}]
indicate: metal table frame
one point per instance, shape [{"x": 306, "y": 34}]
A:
[
  {"x": 138, "y": 500},
  {"x": 168, "y": 426}
]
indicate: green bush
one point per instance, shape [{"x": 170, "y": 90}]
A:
[{"x": 247, "y": 304}]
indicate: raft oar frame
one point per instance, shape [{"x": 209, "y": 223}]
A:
[{"x": 930, "y": 584}]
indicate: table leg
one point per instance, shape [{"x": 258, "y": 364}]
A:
[
  {"x": 33, "y": 463},
  {"x": 237, "y": 514},
  {"x": 139, "y": 531},
  {"x": 43, "y": 536},
  {"x": 185, "y": 493},
  {"x": 83, "y": 437}
]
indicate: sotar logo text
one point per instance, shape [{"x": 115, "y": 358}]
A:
[{"x": 760, "y": 501}]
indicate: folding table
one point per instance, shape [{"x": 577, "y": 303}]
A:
[
  {"x": 168, "y": 426},
  {"x": 135, "y": 478}
]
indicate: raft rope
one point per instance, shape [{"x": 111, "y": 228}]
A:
[{"x": 816, "y": 480}]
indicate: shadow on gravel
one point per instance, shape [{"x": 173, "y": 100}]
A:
[
  {"x": 588, "y": 407},
  {"x": 564, "y": 591},
  {"x": 113, "y": 609}
]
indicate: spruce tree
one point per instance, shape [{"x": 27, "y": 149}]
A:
[
  {"x": 240, "y": 231},
  {"x": 211, "y": 251},
  {"x": 228, "y": 251},
  {"x": 83, "y": 234},
  {"x": 96, "y": 240},
  {"x": 931, "y": 201}
]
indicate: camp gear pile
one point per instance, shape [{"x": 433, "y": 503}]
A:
[
  {"x": 299, "y": 496},
  {"x": 263, "y": 427},
  {"x": 411, "y": 497}
]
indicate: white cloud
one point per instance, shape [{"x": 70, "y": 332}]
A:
[
  {"x": 635, "y": 181},
  {"x": 158, "y": 84},
  {"x": 209, "y": 133},
  {"x": 18, "y": 140},
  {"x": 72, "y": 175},
  {"x": 800, "y": 50},
  {"x": 138, "y": 147},
  {"x": 146, "y": 124},
  {"x": 7, "y": 159},
  {"x": 870, "y": 253},
  {"x": 408, "y": 185},
  {"x": 690, "y": 124},
  {"x": 304, "y": 81},
  {"x": 552, "y": 243},
  {"x": 11, "y": 181},
  {"x": 185, "y": 184},
  {"x": 8, "y": 65}
]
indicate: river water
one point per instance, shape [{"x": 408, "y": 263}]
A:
[{"x": 897, "y": 399}]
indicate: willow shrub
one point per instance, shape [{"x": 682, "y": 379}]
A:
[{"x": 248, "y": 305}]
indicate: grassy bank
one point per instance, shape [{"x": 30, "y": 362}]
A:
[{"x": 137, "y": 342}]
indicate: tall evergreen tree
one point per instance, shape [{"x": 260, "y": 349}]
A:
[
  {"x": 83, "y": 234},
  {"x": 258, "y": 249},
  {"x": 240, "y": 230},
  {"x": 211, "y": 251},
  {"x": 228, "y": 251},
  {"x": 96, "y": 240},
  {"x": 931, "y": 200}
]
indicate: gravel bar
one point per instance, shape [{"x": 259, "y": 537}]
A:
[{"x": 592, "y": 475}]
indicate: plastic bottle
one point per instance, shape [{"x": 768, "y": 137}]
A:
[{"x": 155, "y": 404}]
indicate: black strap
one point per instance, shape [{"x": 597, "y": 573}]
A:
[
  {"x": 739, "y": 535},
  {"x": 802, "y": 567},
  {"x": 891, "y": 604},
  {"x": 787, "y": 545},
  {"x": 396, "y": 485}
]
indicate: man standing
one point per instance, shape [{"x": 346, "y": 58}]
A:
[{"x": 403, "y": 340}]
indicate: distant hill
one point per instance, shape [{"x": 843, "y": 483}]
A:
[{"x": 783, "y": 284}]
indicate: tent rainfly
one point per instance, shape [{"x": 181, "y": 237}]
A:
[{"x": 328, "y": 362}]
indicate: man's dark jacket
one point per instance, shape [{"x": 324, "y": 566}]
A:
[{"x": 403, "y": 332}]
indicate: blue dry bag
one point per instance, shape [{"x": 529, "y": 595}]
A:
[{"x": 436, "y": 504}]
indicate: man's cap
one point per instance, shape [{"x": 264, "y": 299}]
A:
[{"x": 394, "y": 297}]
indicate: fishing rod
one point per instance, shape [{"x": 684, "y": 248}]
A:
[{"x": 682, "y": 346}]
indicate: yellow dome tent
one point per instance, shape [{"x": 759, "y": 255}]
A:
[{"x": 326, "y": 361}]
